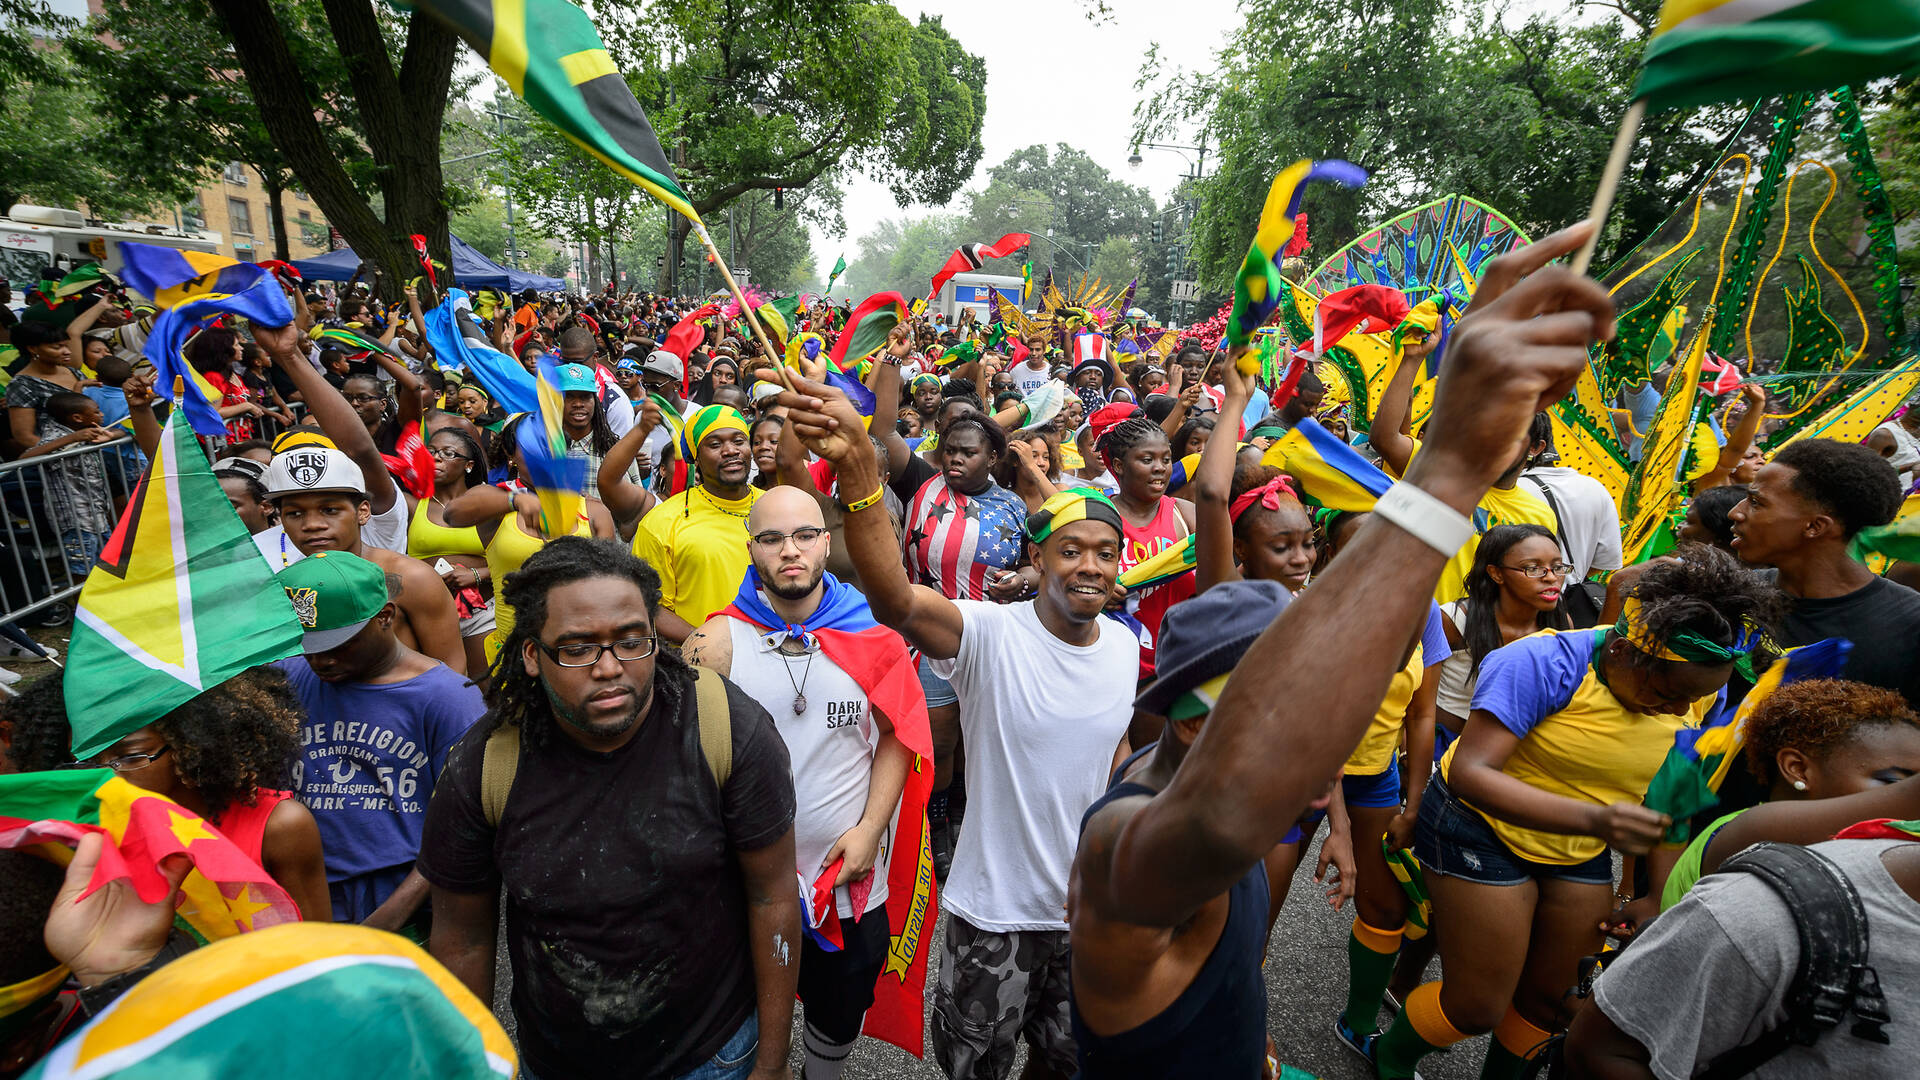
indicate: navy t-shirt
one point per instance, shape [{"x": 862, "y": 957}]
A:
[{"x": 369, "y": 754}]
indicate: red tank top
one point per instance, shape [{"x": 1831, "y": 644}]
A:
[
  {"x": 1143, "y": 542},
  {"x": 246, "y": 825}
]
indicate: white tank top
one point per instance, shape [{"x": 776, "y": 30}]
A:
[
  {"x": 1455, "y": 693},
  {"x": 830, "y": 743}
]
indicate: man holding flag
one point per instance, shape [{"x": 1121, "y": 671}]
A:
[{"x": 846, "y": 699}]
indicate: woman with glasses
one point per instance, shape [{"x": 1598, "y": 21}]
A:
[
  {"x": 1566, "y": 731},
  {"x": 228, "y": 755},
  {"x": 458, "y": 555},
  {"x": 1513, "y": 590}
]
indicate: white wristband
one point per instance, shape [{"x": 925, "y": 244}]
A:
[{"x": 1433, "y": 522}]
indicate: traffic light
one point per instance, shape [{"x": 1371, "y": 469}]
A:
[{"x": 1159, "y": 230}]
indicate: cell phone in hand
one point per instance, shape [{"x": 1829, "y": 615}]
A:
[{"x": 442, "y": 566}]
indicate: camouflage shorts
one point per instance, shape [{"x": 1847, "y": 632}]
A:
[{"x": 994, "y": 989}]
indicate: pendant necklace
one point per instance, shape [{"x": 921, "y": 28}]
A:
[{"x": 800, "y": 688}]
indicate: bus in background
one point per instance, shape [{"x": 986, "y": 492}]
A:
[{"x": 40, "y": 242}]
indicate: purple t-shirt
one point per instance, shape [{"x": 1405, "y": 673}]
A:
[{"x": 369, "y": 755}]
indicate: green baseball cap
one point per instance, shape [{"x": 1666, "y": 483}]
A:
[{"x": 335, "y": 595}]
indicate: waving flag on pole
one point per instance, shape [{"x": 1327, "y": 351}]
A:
[
  {"x": 180, "y": 602},
  {"x": 1256, "y": 288},
  {"x": 1330, "y": 473},
  {"x": 559, "y": 480},
  {"x": 458, "y": 342},
  {"x": 1718, "y": 376},
  {"x": 1704, "y": 51},
  {"x": 973, "y": 256},
  {"x": 839, "y": 267},
  {"x": 867, "y": 329}
]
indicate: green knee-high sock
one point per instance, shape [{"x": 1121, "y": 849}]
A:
[
  {"x": 1370, "y": 956},
  {"x": 1400, "y": 1049},
  {"x": 1502, "y": 1063}
]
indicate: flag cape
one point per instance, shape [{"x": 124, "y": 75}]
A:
[
  {"x": 228, "y": 1009},
  {"x": 1256, "y": 288},
  {"x": 877, "y": 659},
  {"x": 459, "y": 342},
  {"x": 192, "y": 292},
  {"x": 969, "y": 257},
  {"x": 1704, "y": 51},
  {"x": 550, "y": 55},
  {"x": 559, "y": 480},
  {"x": 1330, "y": 473},
  {"x": 1689, "y": 779},
  {"x": 226, "y": 893},
  {"x": 179, "y": 601}
]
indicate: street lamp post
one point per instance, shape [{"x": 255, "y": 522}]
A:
[{"x": 1196, "y": 171}]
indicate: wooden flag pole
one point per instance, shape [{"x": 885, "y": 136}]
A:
[
  {"x": 746, "y": 310},
  {"x": 1610, "y": 181}
]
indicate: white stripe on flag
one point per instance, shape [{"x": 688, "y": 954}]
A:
[{"x": 1733, "y": 13}]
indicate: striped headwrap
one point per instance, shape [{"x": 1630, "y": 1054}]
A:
[
  {"x": 1685, "y": 646},
  {"x": 705, "y": 422},
  {"x": 295, "y": 438},
  {"x": 923, "y": 379},
  {"x": 1074, "y": 504}
]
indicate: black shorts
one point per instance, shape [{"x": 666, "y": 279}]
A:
[{"x": 837, "y": 987}]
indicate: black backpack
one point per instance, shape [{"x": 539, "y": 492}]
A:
[{"x": 1832, "y": 979}]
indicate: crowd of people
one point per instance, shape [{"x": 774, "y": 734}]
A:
[{"x": 664, "y": 748}]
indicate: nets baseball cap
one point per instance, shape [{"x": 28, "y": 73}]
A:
[
  {"x": 335, "y": 595},
  {"x": 312, "y": 469}
]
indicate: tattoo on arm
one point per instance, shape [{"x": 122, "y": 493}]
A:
[{"x": 393, "y": 586}]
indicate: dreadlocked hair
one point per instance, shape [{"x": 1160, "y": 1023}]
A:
[
  {"x": 520, "y": 698},
  {"x": 42, "y": 738},
  {"x": 1704, "y": 590},
  {"x": 1122, "y": 437},
  {"x": 1482, "y": 632},
  {"x": 1818, "y": 717},
  {"x": 236, "y": 739}
]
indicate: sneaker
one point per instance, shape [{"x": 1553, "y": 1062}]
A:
[
  {"x": 1359, "y": 1044},
  {"x": 8, "y": 678},
  {"x": 939, "y": 839},
  {"x": 13, "y": 651}
]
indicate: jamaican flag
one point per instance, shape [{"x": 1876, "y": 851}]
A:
[{"x": 552, "y": 57}]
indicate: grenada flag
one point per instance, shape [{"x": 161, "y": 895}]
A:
[
  {"x": 179, "y": 602},
  {"x": 226, "y": 893}
]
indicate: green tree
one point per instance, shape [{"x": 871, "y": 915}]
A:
[
  {"x": 24, "y": 24},
  {"x": 1430, "y": 98},
  {"x": 1115, "y": 262}
]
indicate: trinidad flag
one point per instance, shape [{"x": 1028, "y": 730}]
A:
[
  {"x": 876, "y": 658},
  {"x": 974, "y": 256}
]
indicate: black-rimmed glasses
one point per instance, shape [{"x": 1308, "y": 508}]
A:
[{"x": 587, "y": 653}]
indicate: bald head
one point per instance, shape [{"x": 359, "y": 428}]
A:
[{"x": 788, "y": 543}]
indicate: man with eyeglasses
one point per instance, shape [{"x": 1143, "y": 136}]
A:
[
  {"x": 651, "y": 914},
  {"x": 805, "y": 645},
  {"x": 381, "y": 719}
]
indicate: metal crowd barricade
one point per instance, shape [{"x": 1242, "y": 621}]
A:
[{"x": 36, "y": 583}]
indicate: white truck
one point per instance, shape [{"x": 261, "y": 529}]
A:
[
  {"x": 45, "y": 241},
  {"x": 973, "y": 290}
]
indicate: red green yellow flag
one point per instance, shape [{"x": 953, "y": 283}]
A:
[
  {"x": 179, "y": 602},
  {"x": 227, "y": 893},
  {"x": 1704, "y": 51}
]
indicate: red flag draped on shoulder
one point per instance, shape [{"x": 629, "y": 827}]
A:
[
  {"x": 969, "y": 257},
  {"x": 876, "y": 658}
]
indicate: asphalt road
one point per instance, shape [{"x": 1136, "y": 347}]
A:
[{"x": 1306, "y": 977}]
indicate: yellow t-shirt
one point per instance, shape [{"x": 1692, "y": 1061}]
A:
[
  {"x": 1517, "y": 505},
  {"x": 1374, "y": 755},
  {"x": 1581, "y": 744},
  {"x": 698, "y": 544}
]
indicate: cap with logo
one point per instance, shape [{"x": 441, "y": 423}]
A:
[
  {"x": 335, "y": 594},
  {"x": 662, "y": 362},
  {"x": 314, "y": 469},
  {"x": 575, "y": 378}
]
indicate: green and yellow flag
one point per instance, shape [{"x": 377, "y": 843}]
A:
[
  {"x": 1704, "y": 51},
  {"x": 179, "y": 602},
  {"x": 552, "y": 57}
]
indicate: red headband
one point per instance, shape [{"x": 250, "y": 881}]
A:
[{"x": 1267, "y": 495}]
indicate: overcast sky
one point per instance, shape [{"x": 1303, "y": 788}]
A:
[{"x": 1053, "y": 76}]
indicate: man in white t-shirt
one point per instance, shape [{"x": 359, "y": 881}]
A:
[
  {"x": 1045, "y": 690},
  {"x": 1589, "y": 520},
  {"x": 849, "y": 765},
  {"x": 1034, "y": 372}
]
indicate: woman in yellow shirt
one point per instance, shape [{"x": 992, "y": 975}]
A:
[
  {"x": 458, "y": 466},
  {"x": 1566, "y": 730}
]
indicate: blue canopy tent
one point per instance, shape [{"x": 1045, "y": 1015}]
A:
[{"x": 472, "y": 270}]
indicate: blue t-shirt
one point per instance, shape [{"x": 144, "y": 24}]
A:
[
  {"x": 369, "y": 755},
  {"x": 1526, "y": 681},
  {"x": 1433, "y": 638}
]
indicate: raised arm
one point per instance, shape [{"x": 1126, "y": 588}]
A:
[
  {"x": 1281, "y": 730},
  {"x": 1739, "y": 440},
  {"x": 790, "y": 462},
  {"x": 1184, "y": 399},
  {"x": 336, "y": 418},
  {"x": 626, "y": 500},
  {"x": 886, "y": 399},
  {"x": 83, "y": 322},
  {"x": 825, "y": 421},
  {"x": 1388, "y": 435},
  {"x": 1213, "y": 484}
]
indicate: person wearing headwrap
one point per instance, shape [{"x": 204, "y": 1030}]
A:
[
  {"x": 697, "y": 539},
  {"x": 1139, "y": 456},
  {"x": 925, "y": 389}
]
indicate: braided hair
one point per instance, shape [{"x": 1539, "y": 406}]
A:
[
  {"x": 520, "y": 698},
  {"x": 991, "y": 433},
  {"x": 1122, "y": 437}
]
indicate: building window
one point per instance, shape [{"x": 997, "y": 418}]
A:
[
  {"x": 306, "y": 215},
  {"x": 236, "y": 173},
  {"x": 193, "y": 215},
  {"x": 272, "y": 233},
  {"x": 301, "y": 195},
  {"x": 240, "y": 217}
]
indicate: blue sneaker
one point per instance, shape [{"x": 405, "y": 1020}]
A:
[{"x": 1359, "y": 1044}]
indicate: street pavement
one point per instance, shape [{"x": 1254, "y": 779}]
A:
[{"x": 1306, "y": 976}]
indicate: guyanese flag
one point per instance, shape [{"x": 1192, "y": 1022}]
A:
[
  {"x": 179, "y": 602},
  {"x": 227, "y": 893},
  {"x": 234, "y": 1008},
  {"x": 1716, "y": 50}
]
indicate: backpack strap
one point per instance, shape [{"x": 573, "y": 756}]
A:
[
  {"x": 499, "y": 761},
  {"x": 1833, "y": 977},
  {"x": 716, "y": 724}
]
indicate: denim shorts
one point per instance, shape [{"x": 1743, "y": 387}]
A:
[
  {"x": 1453, "y": 840},
  {"x": 939, "y": 691},
  {"x": 1376, "y": 791}
]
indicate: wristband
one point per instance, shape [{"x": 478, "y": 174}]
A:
[
  {"x": 1431, "y": 521},
  {"x": 861, "y": 504}
]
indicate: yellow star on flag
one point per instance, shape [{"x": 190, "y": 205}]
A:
[
  {"x": 242, "y": 907},
  {"x": 187, "y": 828}
]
